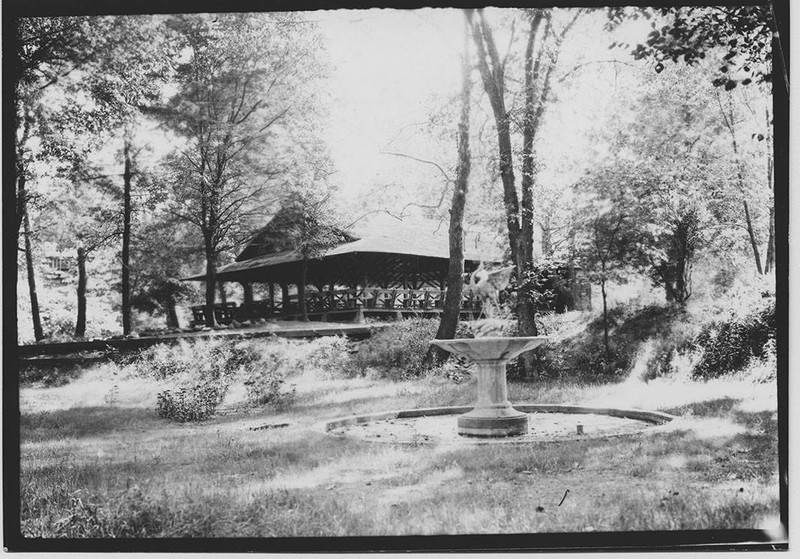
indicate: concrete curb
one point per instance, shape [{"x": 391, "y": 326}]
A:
[{"x": 653, "y": 417}]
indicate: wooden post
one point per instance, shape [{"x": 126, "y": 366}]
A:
[
  {"x": 247, "y": 287},
  {"x": 285, "y": 296},
  {"x": 271, "y": 298}
]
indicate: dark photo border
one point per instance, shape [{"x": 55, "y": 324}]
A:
[{"x": 700, "y": 540}]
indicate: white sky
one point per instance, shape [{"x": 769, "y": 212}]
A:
[
  {"x": 387, "y": 65},
  {"x": 391, "y": 67}
]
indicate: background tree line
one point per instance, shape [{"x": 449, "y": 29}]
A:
[
  {"x": 671, "y": 173},
  {"x": 155, "y": 136}
]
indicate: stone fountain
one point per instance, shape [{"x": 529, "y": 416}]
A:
[
  {"x": 493, "y": 415},
  {"x": 492, "y": 420}
]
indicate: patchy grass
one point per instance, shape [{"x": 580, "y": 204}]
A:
[{"x": 97, "y": 461}]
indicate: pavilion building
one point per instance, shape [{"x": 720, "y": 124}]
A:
[{"x": 382, "y": 266}]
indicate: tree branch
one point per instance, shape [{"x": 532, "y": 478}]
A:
[{"x": 441, "y": 170}]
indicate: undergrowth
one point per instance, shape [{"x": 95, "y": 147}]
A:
[{"x": 397, "y": 352}]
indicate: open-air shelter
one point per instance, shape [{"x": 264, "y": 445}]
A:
[{"x": 382, "y": 266}]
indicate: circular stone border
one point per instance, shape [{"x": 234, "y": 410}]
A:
[{"x": 652, "y": 417}]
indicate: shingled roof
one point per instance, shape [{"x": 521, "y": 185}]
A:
[{"x": 379, "y": 234}]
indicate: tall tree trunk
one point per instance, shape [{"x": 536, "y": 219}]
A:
[
  {"x": 605, "y": 313},
  {"x": 37, "y": 321},
  {"x": 494, "y": 84},
  {"x": 455, "y": 271},
  {"x": 729, "y": 123},
  {"x": 80, "y": 324},
  {"x": 535, "y": 97},
  {"x": 22, "y": 212},
  {"x": 211, "y": 285},
  {"x": 528, "y": 135},
  {"x": 492, "y": 75},
  {"x": 752, "y": 235},
  {"x": 223, "y": 295},
  {"x": 547, "y": 237},
  {"x": 769, "y": 265},
  {"x": 171, "y": 312},
  {"x": 680, "y": 284},
  {"x": 126, "y": 240}
]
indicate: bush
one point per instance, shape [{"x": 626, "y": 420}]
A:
[
  {"x": 580, "y": 354},
  {"x": 210, "y": 358},
  {"x": 397, "y": 351},
  {"x": 332, "y": 355},
  {"x": 191, "y": 402},
  {"x": 265, "y": 384},
  {"x": 455, "y": 369},
  {"x": 728, "y": 345},
  {"x": 200, "y": 373}
]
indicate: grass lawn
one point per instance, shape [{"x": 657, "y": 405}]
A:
[{"x": 97, "y": 461}]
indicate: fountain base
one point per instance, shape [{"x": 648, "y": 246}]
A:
[{"x": 498, "y": 421}]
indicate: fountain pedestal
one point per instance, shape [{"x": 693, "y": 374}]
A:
[{"x": 493, "y": 415}]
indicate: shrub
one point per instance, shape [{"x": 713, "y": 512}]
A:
[
  {"x": 729, "y": 344},
  {"x": 331, "y": 354},
  {"x": 265, "y": 383},
  {"x": 191, "y": 402},
  {"x": 580, "y": 354},
  {"x": 455, "y": 369},
  {"x": 50, "y": 375},
  {"x": 210, "y": 358},
  {"x": 397, "y": 351},
  {"x": 200, "y": 372}
]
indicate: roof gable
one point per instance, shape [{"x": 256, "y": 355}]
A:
[{"x": 378, "y": 233}]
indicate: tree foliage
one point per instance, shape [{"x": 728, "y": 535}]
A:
[
  {"x": 239, "y": 87},
  {"x": 310, "y": 230},
  {"x": 741, "y": 35}
]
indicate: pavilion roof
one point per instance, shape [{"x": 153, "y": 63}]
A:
[{"x": 380, "y": 235}]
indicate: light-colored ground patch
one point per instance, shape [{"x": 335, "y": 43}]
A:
[
  {"x": 706, "y": 428},
  {"x": 443, "y": 429},
  {"x": 667, "y": 393},
  {"x": 94, "y": 388}
]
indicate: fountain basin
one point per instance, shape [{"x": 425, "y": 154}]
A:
[
  {"x": 549, "y": 423},
  {"x": 501, "y": 349},
  {"x": 493, "y": 415}
]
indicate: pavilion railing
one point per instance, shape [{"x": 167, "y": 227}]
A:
[{"x": 370, "y": 298}]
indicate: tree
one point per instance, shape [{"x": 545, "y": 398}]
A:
[
  {"x": 49, "y": 49},
  {"x": 740, "y": 41},
  {"x": 690, "y": 33},
  {"x": 770, "y": 263},
  {"x": 88, "y": 223},
  {"x": 541, "y": 55},
  {"x": 730, "y": 121},
  {"x": 161, "y": 249},
  {"x": 610, "y": 237},
  {"x": 127, "y": 79},
  {"x": 310, "y": 231},
  {"x": 23, "y": 200},
  {"x": 238, "y": 90},
  {"x": 455, "y": 271}
]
